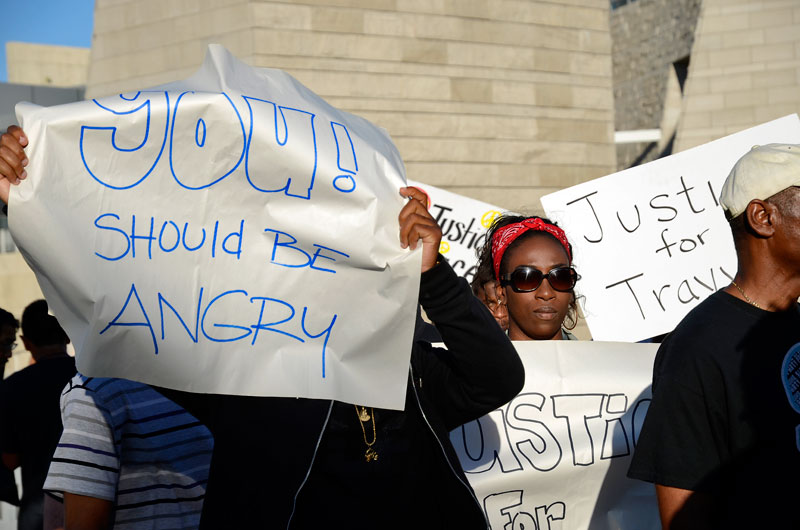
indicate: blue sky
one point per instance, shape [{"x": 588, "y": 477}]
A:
[{"x": 64, "y": 22}]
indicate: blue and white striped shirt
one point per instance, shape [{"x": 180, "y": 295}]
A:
[{"x": 126, "y": 443}]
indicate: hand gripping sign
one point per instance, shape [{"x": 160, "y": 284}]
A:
[
  {"x": 464, "y": 222},
  {"x": 230, "y": 233}
]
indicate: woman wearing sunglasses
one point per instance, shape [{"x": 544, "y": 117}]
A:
[{"x": 532, "y": 261}]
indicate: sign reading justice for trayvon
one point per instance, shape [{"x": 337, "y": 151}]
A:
[
  {"x": 651, "y": 242},
  {"x": 230, "y": 233},
  {"x": 556, "y": 456}
]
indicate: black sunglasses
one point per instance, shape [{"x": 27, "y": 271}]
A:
[{"x": 525, "y": 278}]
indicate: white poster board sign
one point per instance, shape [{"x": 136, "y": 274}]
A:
[
  {"x": 464, "y": 222},
  {"x": 230, "y": 233},
  {"x": 557, "y": 455},
  {"x": 651, "y": 242}
]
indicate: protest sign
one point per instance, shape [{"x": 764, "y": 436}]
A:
[
  {"x": 464, "y": 222},
  {"x": 556, "y": 456},
  {"x": 230, "y": 233},
  {"x": 651, "y": 242}
]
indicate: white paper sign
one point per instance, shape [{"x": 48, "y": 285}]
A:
[
  {"x": 651, "y": 242},
  {"x": 230, "y": 233},
  {"x": 557, "y": 455},
  {"x": 464, "y": 222}
]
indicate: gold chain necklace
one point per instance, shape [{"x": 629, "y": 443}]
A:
[
  {"x": 749, "y": 301},
  {"x": 370, "y": 454}
]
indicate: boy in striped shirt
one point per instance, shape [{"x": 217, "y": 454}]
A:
[{"x": 128, "y": 458}]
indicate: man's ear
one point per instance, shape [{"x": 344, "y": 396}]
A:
[
  {"x": 760, "y": 216},
  {"x": 500, "y": 292},
  {"x": 499, "y": 308},
  {"x": 499, "y": 311}
]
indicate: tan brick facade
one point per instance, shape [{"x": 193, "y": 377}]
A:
[
  {"x": 745, "y": 68},
  {"x": 41, "y": 64},
  {"x": 501, "y": 100}
]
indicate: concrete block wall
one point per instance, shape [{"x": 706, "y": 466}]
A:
[
  {"x": 141, "y": 43},
  {"x": 501, "y": 100},
  {"x": 41, "y": 64},
  {"x": 744, "y": 70}
]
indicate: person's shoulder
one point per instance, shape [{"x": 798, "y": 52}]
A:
[
  {"x": 16, "y": 376},
  {"x": 107, "y": 396},
  {"x": 19, "y": 379},
  {"x": 29, "y": 376},
  {"x": 702, "y": 339},
  {"x": 99, "y": 388},
  {"x": 78, "y": 386},
  {"x": 65, "y": 366},
  {"x": 128, "y": 400},
  {"x": 60, "y": 368},
  {"x": 567, "y": 335},
  {"x": 710, "y": 319},
  {"x": 108, "y": 389}
]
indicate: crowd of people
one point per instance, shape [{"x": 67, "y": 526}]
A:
[{"x": 721, "y": 428}]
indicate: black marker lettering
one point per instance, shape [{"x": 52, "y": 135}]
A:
[
  {"x": 692, "y": 297},
  {"x": 638, "y": 221},
  {"x": 658, "y": 296},
  {"x": 664, "y": 207},
  {"x": 600, "y": 226},
  {"x": 666, "y": 245},
  {"x": 685, "y": 191},
  {"x": 626, "y": 281}
]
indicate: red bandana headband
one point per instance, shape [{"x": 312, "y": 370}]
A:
[{"x": 506, "y": 235}]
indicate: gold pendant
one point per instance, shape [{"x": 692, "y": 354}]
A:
[
  {"x": 370, "y": 454},
  {"x": 363, "y": 416}
]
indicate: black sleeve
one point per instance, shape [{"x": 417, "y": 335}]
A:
[{"x": 480, "y": 369}]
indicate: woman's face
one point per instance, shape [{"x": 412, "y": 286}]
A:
[{"x": 537, "y": 315}]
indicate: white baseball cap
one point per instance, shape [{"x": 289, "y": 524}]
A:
[{"x": 761, "y": 173}]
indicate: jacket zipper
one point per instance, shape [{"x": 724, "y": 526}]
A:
[
  {"x": 430, "y": 428},
  {"x": 441, "y": 447},
  {"x": 308, "y": 471}
]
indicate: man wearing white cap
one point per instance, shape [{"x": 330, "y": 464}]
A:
[{"x": 720, "y": 439}]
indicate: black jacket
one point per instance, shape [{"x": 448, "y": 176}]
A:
[{"x": 264, "y": 447}]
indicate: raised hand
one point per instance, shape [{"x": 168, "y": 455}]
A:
[
  {"x": 12, "y": 159},
  {"x": 416, "y": 223}
]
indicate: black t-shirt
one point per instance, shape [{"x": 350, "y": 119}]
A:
[
  {"x": 30, "y": 418},
  {"x": 721, "y": 421}
]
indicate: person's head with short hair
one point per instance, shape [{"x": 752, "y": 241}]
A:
[
  {"x": 8, "y": 335},
  {"x": 484, "y": 287},
  {"x": 765, "y": 173},
  {"x": 41, "y": 332},
  {"x": 530, "y": 258},
  {"x": 761, "y": 200}
]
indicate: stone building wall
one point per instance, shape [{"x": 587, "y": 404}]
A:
[
  {"x": 44, "y": 64},
  {"x": 500, "y": 100},
  {"x": 648, "y": 37},
  {"x": 745, "y": 68}
]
